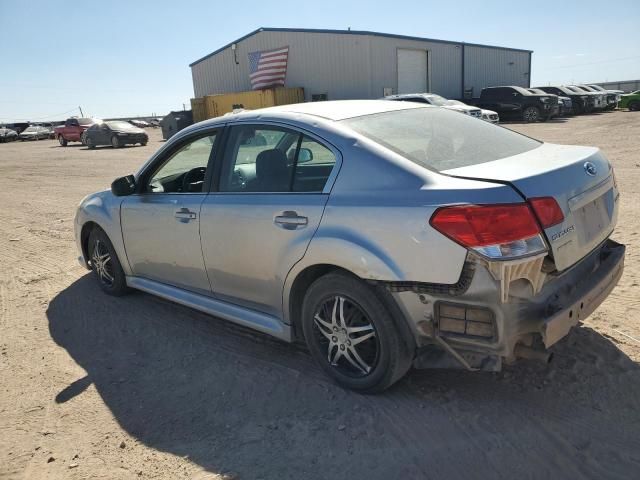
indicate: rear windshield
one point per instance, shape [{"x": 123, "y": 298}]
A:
[{"x": 440, "y": 139}]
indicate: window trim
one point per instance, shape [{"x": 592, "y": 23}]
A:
[
  {"x": 222, "y": 152},
  {"x": 165, "y": 155}
]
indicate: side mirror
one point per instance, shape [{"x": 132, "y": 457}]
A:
[
  {"x": 123, "y": 186},
  {"x": 305, "y": 155}
]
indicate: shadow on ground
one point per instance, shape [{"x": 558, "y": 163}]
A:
[{"x": 243, "y": 404}]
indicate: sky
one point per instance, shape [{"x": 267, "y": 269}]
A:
[{"x": 127, "y": 58}]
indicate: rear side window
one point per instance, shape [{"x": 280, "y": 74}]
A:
[
  {"x": 439, "y": 139},
  {"x": 270, "y": 159}
]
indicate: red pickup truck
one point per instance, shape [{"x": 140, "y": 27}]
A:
[{"x": 73, "y": 129}]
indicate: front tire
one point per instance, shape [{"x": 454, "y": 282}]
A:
[
  {"x": 89, "y": 143},
  {"x": 105, "y": 264},
  {"x": 352, "y": 335},
  {"x": 115, "y": 142},
  {"x": 531, "y": 114}
]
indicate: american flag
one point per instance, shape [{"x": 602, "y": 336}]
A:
[{"x": 268, "y": 68}]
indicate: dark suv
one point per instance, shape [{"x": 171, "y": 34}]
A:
[
  {"x": 518, "y": 102},
  {"x": 582, "y": 103}
]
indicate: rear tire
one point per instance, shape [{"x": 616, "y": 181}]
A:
[
  {"x": 531, "y": 114},
  {"x": 352, "y": 335},
  {"x": 89, "y": 143},
  {"x": 634, "y": 106},
  {"x": 62, "y": 141},
  {"x": 105, "y": 264}
]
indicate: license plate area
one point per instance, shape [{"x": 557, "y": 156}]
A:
[{"x": 593, "y": 220}]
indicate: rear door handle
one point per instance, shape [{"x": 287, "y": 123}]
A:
[
  {"x": 185, "y": 214},
  {"x": 290, "y": 220}
]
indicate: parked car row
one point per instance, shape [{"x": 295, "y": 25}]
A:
[
  {"x": 546, "y": 102},
  {"x": 31, "y": 132},
  {"x": 94, "y": 132}
]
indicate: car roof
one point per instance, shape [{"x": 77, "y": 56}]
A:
[{"x": 335, "y": 110}]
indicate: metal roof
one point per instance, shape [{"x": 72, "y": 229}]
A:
[{"x": 352, "y": 32}]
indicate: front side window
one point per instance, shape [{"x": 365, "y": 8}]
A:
[
  {"x": 266, "y": 159},
  {"x": 185, "y": 170}
]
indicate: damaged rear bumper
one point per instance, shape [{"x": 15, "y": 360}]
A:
[{"x": 475, "y": 326}]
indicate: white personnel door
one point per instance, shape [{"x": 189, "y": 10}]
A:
[{"x": 412, "y": 71}]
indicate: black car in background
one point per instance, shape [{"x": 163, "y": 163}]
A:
[
  {"x": 116, "y": 133},
  {"x": 582, "y": 103},
  {"x": 518, "y": 102},
  {"x": 7, "y": 135},
  {"x": 565, "y": 107}
]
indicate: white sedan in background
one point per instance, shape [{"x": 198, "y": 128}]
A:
[{"x": 439, "y": 101}]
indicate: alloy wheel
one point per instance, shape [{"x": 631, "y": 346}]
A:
[
  {"x": 531, "y": 115},
  {"x": 101, "y": 262},
  {"x": 348, "y": 335}
]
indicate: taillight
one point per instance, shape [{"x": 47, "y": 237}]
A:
[
  {"x": 499, "y": 231},
  {"x": 547, "y": 210}
]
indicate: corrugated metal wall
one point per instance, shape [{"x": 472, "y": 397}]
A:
[
  {"x": 347, "y": 66},
  {"x": 486, "y": 66}
]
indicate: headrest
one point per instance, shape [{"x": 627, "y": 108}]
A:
[{"x": 271, "y": 164}]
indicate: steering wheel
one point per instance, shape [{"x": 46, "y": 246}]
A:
[{"x": 192, "y": 179}]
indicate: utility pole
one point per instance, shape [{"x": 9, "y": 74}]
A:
[{"x": 81, "y": 114}]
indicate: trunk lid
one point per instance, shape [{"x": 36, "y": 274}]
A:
[{"x": 579, "y": 178}]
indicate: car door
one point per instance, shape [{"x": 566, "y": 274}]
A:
[
  {"x": 273, "y": 187},
  {"x": 103, "y": 134},
  {"x": 508, "y": 100},
  {"x": 161, "y": 221},
  {"x": 93, "y": 133}
]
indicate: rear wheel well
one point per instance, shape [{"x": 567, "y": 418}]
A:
[
  {"x": 299, "y": 288},
  {"x": 310, "y": 274}
]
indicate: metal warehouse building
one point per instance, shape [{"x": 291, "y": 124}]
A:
[{"x": 348, "y": 64}]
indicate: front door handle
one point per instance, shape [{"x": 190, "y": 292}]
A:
[
  {"x": 184, "y": 215},
  {"x": 290, "y": 220}
]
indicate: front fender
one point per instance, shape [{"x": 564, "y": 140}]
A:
[{"x": 103, "y": 209}]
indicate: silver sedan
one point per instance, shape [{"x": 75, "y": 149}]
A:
[{"x": 382, "y": 234}]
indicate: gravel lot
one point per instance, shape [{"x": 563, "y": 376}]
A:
[{"x": 135, "y": 387}]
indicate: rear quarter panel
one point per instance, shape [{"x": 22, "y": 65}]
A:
[{"x": 376, "y": 221}]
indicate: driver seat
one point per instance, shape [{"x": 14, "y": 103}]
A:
[{"x": 272, "y": 172}]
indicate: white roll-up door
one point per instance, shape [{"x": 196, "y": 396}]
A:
[{"x": 412, "y": 71}]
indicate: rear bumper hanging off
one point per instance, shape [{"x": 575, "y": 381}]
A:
[{"x": 484, "y": 327}]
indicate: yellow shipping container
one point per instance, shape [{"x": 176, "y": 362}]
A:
[
  {"x": 212, "y": 106},
  {"x": 198, "y": 110}
]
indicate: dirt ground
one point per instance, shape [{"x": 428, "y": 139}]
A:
[{"x": 98, "y": 387}]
